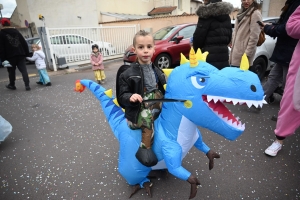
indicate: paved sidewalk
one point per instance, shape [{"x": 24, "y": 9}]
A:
[{"x": 32, "y": 72}]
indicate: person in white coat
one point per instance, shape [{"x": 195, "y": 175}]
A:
[{"x": 38, "y": 57}]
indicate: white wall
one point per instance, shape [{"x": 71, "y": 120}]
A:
[{"x": 61, "y": 13}]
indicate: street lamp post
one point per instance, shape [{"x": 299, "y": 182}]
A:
[{"x": 1, "y": 8}]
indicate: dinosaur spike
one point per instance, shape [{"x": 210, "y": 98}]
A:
[
  {"x": 109, "y": 93},
  {"x": 193, "y": 59},
  {"x": 116, "y": 102},
  {"x": 244, "y": 63},
  {"x": 167, "y": 71},
  {"x": 183, "y": 59},
  {"x": 165, "y": 87},
  {"x": 199, "y": 55},
  {"x": 205, "y": 55}
]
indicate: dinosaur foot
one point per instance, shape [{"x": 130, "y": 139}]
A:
[
  {"x": 211, "y": 156},
  {"x": 137, "y": 187},
  {"x": 146, "y": 156},
  {"x": 194, "y": 183}
]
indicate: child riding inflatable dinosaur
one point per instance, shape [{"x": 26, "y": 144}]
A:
[{"x": 204, "y": 89}]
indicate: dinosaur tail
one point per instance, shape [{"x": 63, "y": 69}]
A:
[{"x": 109, "y": 104}]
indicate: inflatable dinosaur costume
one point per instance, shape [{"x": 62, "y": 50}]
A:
[{"x": 204, "y": 89}]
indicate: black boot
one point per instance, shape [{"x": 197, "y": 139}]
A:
[{"x": 146, "y": 156}]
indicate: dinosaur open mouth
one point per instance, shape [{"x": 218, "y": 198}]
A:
[{"x": 215, "y": 103}]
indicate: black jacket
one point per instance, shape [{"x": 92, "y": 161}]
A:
[
  {"x": 214, "y": 32},
  {"x": 130, "y": 81},
  {"x": 285, "y": 44},
  {"x": 12, "y": 44}
]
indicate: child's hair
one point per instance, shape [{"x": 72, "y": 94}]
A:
[
  {"x": 140, "y": 33},
  {"x": 95, "y": 46},
  {"x": 35, "y": 46}
]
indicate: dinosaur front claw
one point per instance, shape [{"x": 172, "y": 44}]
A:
[
  {"x": 147, "y": 186},
  {"x": 194, "y": 183}
]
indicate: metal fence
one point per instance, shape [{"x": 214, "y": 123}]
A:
[{"x": 75, "y": 44}]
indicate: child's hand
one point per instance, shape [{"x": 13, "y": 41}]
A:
[{"x": 135, "y": 98}]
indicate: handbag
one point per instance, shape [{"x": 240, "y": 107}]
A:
[{"x": 261, "y": 38}]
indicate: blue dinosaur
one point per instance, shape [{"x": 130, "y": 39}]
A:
[{"x": 204, "y": 89}]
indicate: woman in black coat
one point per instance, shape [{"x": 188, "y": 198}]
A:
[{"x": 214, "y": 31}]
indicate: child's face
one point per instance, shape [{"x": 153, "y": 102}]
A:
[
  {"x": 144, "y": 49},
  {"x": 34, "y": 48},
  {"x": 95, "y": 50}
]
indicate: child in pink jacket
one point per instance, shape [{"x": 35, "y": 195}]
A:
[
  {"x": 97, "y": 62},
  {"x": 289, "y": 114}
]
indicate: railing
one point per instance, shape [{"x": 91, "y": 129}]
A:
[{"x": 75, "y": 44}]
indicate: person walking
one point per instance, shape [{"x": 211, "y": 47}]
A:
[
  {"x": 14, "y": 49},
  {"x": 38, "y": 57},
  {"x": 245, "y": 34},
  {"x": 214, "y": 32},
  {"x": 283, "y": 50},
  {"x": 289, "y": 114}
]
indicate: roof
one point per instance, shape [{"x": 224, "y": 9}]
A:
[
  {"x": 162, "y": 10},
  {"x": 150, "y": 18},
  {"x": 125, "y": 16}
]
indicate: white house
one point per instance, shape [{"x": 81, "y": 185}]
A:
[{"x": 89, "y": 13}]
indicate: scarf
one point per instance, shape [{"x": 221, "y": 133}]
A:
[
  {"x": 241, "y": 14},
  {"x": 95, "y": 54}
]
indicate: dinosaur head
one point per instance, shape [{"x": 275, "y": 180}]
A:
[{"x": 207, "y": 90}]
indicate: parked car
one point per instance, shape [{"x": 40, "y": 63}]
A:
[
  {"x": 76, "y": 47},
  {"x": 261, "y": 62},
  {"x": 31, "y": 41},
  {"x": 169, "y": 43}
]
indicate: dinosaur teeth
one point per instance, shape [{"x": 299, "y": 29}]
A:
[
  {"x": 235, "y": 102},
  {"x": 256, "y": 103},
  {"x": 209, "y": 98},
  {"x": 216, "y": 100}
]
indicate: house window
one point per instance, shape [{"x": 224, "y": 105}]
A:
[{"x": 180, "y": 4}]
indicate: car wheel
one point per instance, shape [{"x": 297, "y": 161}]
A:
[
  {"x": 259, "y": 67},
  {"x": 163, "y": 61}
]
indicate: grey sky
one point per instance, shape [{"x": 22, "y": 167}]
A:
[{"x": 8, "y": 7}]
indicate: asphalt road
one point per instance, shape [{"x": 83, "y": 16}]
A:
[{"x": 61, "y": 147}]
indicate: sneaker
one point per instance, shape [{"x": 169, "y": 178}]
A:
[
  {"x": 271, "y": 99},
  {"x": 273, "y": 149},
  {"x": 39, "y": 83},
  {"x": 10, "y": 87},
  {"x": 48, "y": 84},
  {"x": 27, "y": 88}
]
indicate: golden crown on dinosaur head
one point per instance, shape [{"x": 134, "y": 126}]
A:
[{"x": 199, "y": 56}]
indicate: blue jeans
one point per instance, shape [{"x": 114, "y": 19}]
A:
[{"x": 44, "y": 78}]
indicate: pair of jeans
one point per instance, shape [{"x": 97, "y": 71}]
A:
[
  {"x": 44, "y": 78},
  {"x": 276, "y": 76},
  {"x": 20, "y": 63}
]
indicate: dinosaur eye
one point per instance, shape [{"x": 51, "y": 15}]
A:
[
  {"x": 253, "y": 88},
  {"x": 198, "y": 82}
]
